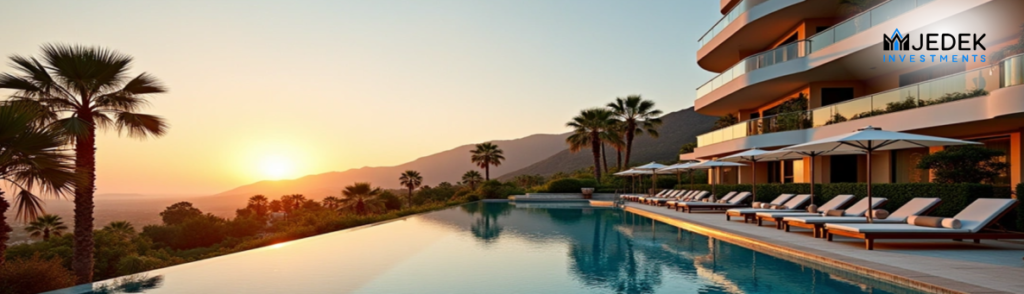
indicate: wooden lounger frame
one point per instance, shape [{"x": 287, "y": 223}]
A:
[{"x": 990, "y": 234}]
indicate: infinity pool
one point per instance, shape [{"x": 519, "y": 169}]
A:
[{"x": 505, "y": 248}]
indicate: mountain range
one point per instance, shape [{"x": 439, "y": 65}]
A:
[{"x": 543, "y": 154}]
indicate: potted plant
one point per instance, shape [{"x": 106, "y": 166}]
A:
[{"x": 588, "y": 193}]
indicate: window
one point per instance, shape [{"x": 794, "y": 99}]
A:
[
  {"x": 931, "y": 73},
  {"x": 831, "y": 96},
  {"x": 843, "y": 169}
]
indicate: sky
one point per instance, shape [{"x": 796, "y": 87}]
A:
[{"x": 277, "y": 90}]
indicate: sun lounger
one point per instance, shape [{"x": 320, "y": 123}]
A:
[
  {"x": 776, "y": 216},
  {"x": 794, "y": 204},
  {"x": 916, "y": 206},
  {"x": 643, "y": 199},
  {"x": 734, "y": 202},
  {"x": 976, "y": 220},
  {"x": 661, "y": 201},
  {"x": 702, "y": 199},
  {"x": 697, "y": 197}
]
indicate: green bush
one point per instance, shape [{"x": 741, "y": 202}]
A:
[
  {"x": 570, "y": 185},
  {"x": 34, "y": 275}
]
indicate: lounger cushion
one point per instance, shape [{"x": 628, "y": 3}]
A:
[
  {"x": 772, "y": 214},
  {"x": 934, "y": 222},
  {"x": 982, "y": 211},
  {"x": 891, "y": 228},
  {"x": 835, "y": 212},
  {"x": 756, "y": 210},
  {"x": 879, "y": 214},
  {"x": 835, "y": 219}
]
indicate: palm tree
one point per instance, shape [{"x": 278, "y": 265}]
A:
[
  {"x": 30, "y": 160},
  {"x": 122, "y": 229},
  {"x": 472, "y": 178},
  {"x": 638, "y": 116},
  {"x": 46, "y": 225},
  {"x": 332, "y": 202},
  {"x": 259, "y": 205},
  {"x": 85, "y": 89},
  {"x": 411, "y": 179},
  {"x": 590, "y": 129},
  {"x": 361, "y": 197},
  {"x": 485, "y": 155}
]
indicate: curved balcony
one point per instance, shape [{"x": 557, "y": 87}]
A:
[
  {"x": 843, "y": 30},
  {"x": 727, "y": 19},
  {"x": 965, "y": 85}
]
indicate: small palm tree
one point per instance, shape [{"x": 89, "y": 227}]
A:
[
  {"x": 31, "y": 159},
  {"x": 46, "y": 225},
  {"x": 411, "y": 179},
  {"x": 122, "y": 229},
  {"x": 638, "y": 116},
  {"x": 590, "y": 129},
  {"x": 362, "y": 198},
  {"x": 83, "y": 90},
  {"x": 485, "y": 155},
  {"x": 332, "y": 202},
  {"x": 472, "y": 178}
]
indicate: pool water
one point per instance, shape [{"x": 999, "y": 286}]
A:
[{"x": 505, "y": 248}]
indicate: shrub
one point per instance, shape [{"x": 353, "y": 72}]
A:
[
  {"x": 34, "y": 275},
  {"x": 964, "y": 164},
  {"x": 570, "y": 185}
]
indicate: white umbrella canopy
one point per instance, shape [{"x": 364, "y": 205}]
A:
[
  {"x": 652, "y": 167},
  {"x": 678, "y": 168},
  {"x": 871, "y": 139},
  {"x": 752, "y": 156},
  {"x": 715, "y": 164}
]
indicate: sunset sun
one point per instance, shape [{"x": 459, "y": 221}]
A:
[{"x": 276, "y": 167}]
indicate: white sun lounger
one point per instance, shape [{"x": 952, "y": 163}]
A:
[
  {"x": 975, "y": 221},
  {"x": 734, "y": 202},
  {"x": 916, "y": 206},
  {"x": 776, "y": 216},
  {"x": 749, "y": 213}
]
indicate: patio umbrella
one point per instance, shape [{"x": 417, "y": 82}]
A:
[
  {"x": 786, "y": 154},
  {"x": 651, "y": 167},
  {"x": 715, "y": 164},
  {"x": 632, "y": 177},
  {"x": 678, "y": 168},
  {"x": 752, "y": 156},
  {"x": 871, "y": 139}
]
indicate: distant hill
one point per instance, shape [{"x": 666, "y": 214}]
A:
[
  {"x": 446, "y": 166},
  {"x": 678, "y": 128}
]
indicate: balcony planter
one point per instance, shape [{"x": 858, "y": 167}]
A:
[{"x": 588, "y": 193}]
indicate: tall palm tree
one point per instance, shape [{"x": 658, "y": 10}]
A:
[
  {"x": 638, "y": 116},
  {"x": 31, "y": 159},
  {"x": 46, "y": 225},
  {"x": 485, "y": 155},
  {"x": 259, "y": 205},
  {"x": 618, "y": 143},
  {"x": 590, "y": 129},
  {"x": 85, "y": 89},
  {"x": 472, "y": 178},
  {"x": 122, "y": 229},
  {"x": 362, "y": 198},
  {"x": 411, "y": 179}
]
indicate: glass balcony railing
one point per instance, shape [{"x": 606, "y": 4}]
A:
[
  {"x": 726, "y": 19},
  {"x": 863, "y": 21},
  {"x": 858, "y": 23},
  {"x": 764, "y": 59},
  {"x": 965, "y": 85}
]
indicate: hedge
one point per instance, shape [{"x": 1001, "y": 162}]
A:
[
  {"x": 570, "y": 185},
  {"x": 955, "y": 197}
]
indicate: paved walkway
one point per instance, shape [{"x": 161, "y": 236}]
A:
[{"x": 938, "y": 265}]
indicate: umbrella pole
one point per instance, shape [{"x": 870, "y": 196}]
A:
[
  {"x": 870, "y": 205},
  {"x": 812, "y": 179},
  {"x": 714, "y": 183},
  {"x": 753, "y": 182},
  {"x": 691, "y": 178}
]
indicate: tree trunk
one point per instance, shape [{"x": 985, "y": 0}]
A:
[
  {"x": 604, "y": 157},
  {"x": 85, "y": 167},
  {"x": 46, "y": 234},
  {"x": 487, "y": 170},
  {"x": 5, "y": 230},
  {"x": 410, "y": 196},
  {"x": 595, "y": 147},
  {"x": 618, "y": 158},
  {"x": 630, "y": 129}
]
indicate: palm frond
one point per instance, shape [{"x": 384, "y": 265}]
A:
[
  {"x": 28, "y": 206},
  {"x": 139, "y": 125}
]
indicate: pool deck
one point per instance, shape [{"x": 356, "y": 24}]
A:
[{"x": 942, "y": 266}]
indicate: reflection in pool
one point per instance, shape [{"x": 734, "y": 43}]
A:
[{"x": 505, "y": 248}]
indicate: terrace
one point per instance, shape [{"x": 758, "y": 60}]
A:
[{"x": 970, "y": 84}]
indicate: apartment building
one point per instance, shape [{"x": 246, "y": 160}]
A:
[{"x": 792, "y": 71}]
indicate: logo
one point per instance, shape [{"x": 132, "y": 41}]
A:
[{"x": 933, "y": 43}]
